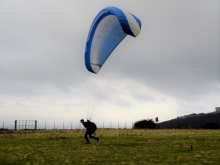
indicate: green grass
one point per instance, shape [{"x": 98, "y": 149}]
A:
[{"x": 161, "y": 146}]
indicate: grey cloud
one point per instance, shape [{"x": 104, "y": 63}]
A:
[
  {"x": 140, "y": 94},
  {"x": 180, "y": 55},
  {"x": 123, "y": 103},
  {"x": 177, "y": 52}
]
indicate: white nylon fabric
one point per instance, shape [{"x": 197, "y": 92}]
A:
[
  {"x": 135, "y": 28},
  {"x": 108, "y": 35}
]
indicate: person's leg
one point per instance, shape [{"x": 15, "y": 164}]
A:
[
  {"x": 87, "y": 140},
  {"x": 93, "y": 137}
]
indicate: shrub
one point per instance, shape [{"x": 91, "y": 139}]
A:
[{"x": 144, "y": 124}]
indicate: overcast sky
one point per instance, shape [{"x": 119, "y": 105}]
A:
[{"x": 171, "y": 69}]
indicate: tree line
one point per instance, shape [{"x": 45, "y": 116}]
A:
[{"x": 205, "y": 121}]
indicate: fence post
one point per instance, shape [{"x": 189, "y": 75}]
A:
[
  {"x": 35, "y": 124},
  {"x": 45, "y": 125},
  {"x": 15, "y": 125},
  {"x": 25, "y": 125}
]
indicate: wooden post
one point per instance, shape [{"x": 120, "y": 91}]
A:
[
  {"x": 35, "y": 124},
  {"x": 25, "y": 125},
  {"x": 15, "y": 125}
]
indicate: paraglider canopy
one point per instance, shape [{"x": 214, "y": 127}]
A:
[{"x": 108, "y": 29}]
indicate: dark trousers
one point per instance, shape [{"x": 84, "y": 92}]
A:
[{"x": 90, "y": 135}]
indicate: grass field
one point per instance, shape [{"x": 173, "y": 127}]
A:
[{"x": 159, "y": 146}]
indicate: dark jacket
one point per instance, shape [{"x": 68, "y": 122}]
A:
[{"x": 90, "y": 126}]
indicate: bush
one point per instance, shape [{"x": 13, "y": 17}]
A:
[{"x": 144, "y": 124}]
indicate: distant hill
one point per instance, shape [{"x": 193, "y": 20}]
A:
[{"x": 208, "y": 121}]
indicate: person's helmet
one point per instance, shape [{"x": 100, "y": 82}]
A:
[{"x": 81, "y": 120}]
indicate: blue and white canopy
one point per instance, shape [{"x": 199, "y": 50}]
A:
[{"x": 108, "y": 29}]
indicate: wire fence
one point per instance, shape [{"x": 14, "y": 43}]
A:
[{"x": 44, "y": 125}]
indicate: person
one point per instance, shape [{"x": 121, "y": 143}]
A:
[{"x": 90, "y": 129}]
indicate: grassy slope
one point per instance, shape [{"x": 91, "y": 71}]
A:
[{"x": 115, "y": 147}]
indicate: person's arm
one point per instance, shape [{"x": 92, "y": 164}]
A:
[{"x": 85, "y": 124}]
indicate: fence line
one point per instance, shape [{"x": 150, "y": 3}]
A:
[
  {"x": 44, "y": 125},
  {"x": 23, "y": 124}
]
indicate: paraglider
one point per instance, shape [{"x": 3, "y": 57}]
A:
[{"x": 108, "y": 29}]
